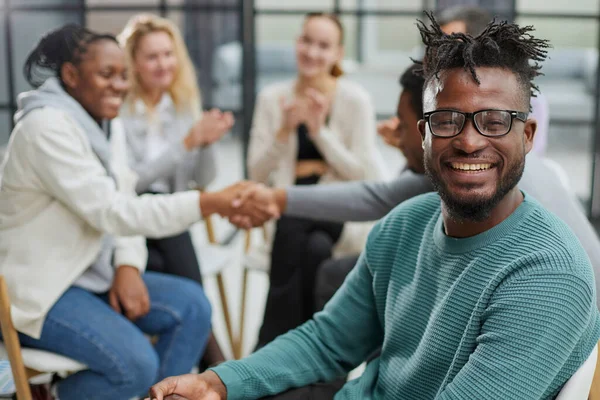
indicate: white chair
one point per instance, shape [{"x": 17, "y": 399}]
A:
[
  {"x": 560, "y": 172},
  {"x": 27, "y": 363},
  {"x": 579, "y": 386},
  {"x": 214, "y": 259},
  {"x": 257, "y": 258}
]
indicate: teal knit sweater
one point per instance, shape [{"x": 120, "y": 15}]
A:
[{"x": 507, "y": 314}]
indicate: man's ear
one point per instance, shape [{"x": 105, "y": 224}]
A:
[
  {"x": 69, "y": 74},
  {"x": 529, "y": 133},
  {"x": 422, "y": 126}
]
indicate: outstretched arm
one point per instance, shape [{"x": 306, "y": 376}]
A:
[{"x": 353, "y": 201}]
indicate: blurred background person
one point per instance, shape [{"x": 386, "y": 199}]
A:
[
  {"x": 317, "y": 128},
  {"x": 169, "y": 138}
]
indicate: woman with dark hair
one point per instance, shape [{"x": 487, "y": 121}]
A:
[{"x": 69, "y": 225}]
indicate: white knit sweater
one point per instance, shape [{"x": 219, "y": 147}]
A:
[{"x": 348, "y": 145}]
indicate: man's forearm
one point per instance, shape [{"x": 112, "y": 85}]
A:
[
  {"x": 318, "y": 351},
  {"x": 353, "y": 201}
]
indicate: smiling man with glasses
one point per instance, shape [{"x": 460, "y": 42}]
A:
[{"x": 475, "y": 292}]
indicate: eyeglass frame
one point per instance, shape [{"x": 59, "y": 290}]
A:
[{"x": 520, "y": 115}]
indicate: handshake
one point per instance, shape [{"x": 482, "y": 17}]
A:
[{"x": 246, "y": 204}]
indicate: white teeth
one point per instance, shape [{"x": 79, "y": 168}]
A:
[
  {"x": 114, "y": 100},
  {"x": 470, "y": 167}
]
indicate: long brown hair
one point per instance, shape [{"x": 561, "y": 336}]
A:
[{"x": 336, "y": 70}]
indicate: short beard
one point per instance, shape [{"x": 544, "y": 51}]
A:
[{"x": 479, "y": 209}]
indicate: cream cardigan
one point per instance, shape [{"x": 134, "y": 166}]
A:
[
  {"x": 348, "y": 144},
  {"x": 56, "y": 202}
]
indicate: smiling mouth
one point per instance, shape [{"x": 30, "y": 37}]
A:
[
  {"x": 114, "y": 100},
  {"x": 463, "y": 167}
]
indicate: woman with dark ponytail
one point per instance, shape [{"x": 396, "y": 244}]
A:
[
  {"x": 318, "y": 128},
  {"x": 72, "y": 229}
]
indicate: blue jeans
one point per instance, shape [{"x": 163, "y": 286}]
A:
[{"x": 121, "y": 360}]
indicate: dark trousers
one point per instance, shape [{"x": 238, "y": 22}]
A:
[
  {"x": 319, "y": 391},
  {"x": 299, "y": 247},
  {"x": 174, "y": 255},
  {"x": 330, "y": 277}
]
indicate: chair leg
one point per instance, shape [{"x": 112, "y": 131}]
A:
[
  {"x": 18, "y": 369},
  {"x": 240, "y": 340},
  {"x": 23, "y": 389},
  {"x": 225, "y": 307}
]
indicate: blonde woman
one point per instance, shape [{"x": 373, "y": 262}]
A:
[
  {"x": 318, "y": 128},
  {"x": 169, "y": 139}
]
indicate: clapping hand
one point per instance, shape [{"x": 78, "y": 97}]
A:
[
  {"x": 388, "y": 130},
  {"x": 209, "y": 129},
  {"x": 316, "y": 111},
  {"x": 292, "y": 114}
]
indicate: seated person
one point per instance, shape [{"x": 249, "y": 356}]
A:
[
  {"x": 161, "y": 115},
  {"x": 473, "y": 292},
  {"x": 318, "y": 128},
  {"x": 69, "y": 253}
]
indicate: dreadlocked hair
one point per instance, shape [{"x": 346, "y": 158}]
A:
[
  {"x": 501, "y": 44},
  {"x": 66, "y": 44}
]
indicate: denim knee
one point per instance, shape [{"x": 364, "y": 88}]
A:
[
  {"x": 140, "y": 371},
  {"x": 196, "y": 307}
]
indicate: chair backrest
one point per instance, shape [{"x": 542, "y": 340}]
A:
[
  {"x": 578, "y": 386},
  {"x": 595, "y": 389},
  {"x": 12, "y": 344},
  {"x": 210, "y": 230}
]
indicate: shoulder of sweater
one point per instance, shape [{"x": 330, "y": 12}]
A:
[
  {"x": 353, "y": 92},
  {"x": 406, "y": 221},
  {"x": 273, "y": 91},
  {"x": 553, "y": 245},
  {"x": 543, "y": 226},
  {"x": 406, "y": 214},
  {"x": 44, "y": 121}
]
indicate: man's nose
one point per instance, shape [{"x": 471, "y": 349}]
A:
[{"x": 469, "y": 140}]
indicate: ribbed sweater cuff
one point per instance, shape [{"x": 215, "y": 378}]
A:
[{"x": 232, "y": 381}]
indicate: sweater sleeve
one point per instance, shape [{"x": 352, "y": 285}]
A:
[
  {"x": 525, "y": 319},
  {"x": 264, "y": 150},
  {"x": 67, "y": 171},
  {"x": 198, "y": 168},
  {"x": 337, "y": 340},
  {"x": 351, "y": 162},
  {"x": 354, "y": 201}
]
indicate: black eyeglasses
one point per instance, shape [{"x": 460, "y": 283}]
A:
[{"x": 491, "y": 123}]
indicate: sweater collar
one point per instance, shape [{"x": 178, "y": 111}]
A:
[{"x": 503, "y": 229}]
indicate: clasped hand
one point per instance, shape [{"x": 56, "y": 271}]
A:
[
  {"x": 246, "y": 204},
  {"x": 310, "y": 109}
]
